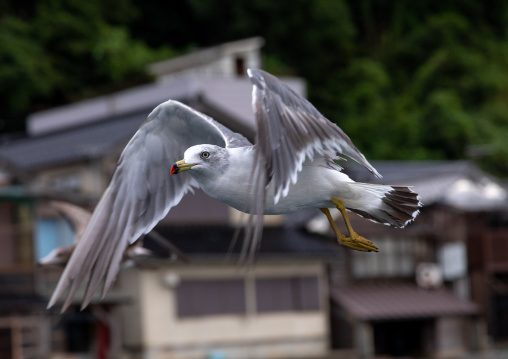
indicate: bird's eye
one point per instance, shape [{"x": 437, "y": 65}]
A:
[{"x": 205, "y": 154}]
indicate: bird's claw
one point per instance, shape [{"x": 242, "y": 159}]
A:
[{"x": 358, "y": 243}]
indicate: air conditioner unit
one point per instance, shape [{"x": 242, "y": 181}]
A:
[
  {"x": 429, "y": 276},
  {"x": 171, "y": 279}
]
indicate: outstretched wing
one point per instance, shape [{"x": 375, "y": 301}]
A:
[
  {"x": 139, "y": 195},
  {"x": 289, "y": 128}
]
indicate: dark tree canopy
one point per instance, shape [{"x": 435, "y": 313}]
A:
[
  {"x": 58, "y": 51},
  {"x": 406, "y": 80}
]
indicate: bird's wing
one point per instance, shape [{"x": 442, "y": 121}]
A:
[
  {"x": 289, "y": 129},
  {"x": 140, "y": 194},
  {"x": 233, "y": 139}
]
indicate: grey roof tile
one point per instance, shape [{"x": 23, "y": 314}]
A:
[
  {"x": 215, "y": 240},
  {"x": 400, "y": 301},
  {"x": 106, "y": 127},
  {"x": 55, "y": 149},
  {"x": 436, "y": 181}
]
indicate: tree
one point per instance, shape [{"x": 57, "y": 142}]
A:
[
  {"x": 58, "y": 51},
  {"x": 406, "y": 80}
]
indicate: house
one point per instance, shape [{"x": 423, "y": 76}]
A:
[
  {"x": 418, "y": 295},
  {"x": 215, "y": 308},
  {"x": 22, "y": 317},
  {"x": 306, "y": 296},
  {"x": 70, "y": 152},
  {"x": 226, "y": 60}
]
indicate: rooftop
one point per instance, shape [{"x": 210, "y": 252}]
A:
[
  {"x": 400, "y": 302},
  {"x": 459, "y": 184},
  {"x": 94, "y": 128},
  {"x": 206, "y": 242},
  {"x": 206, "y": 56}
]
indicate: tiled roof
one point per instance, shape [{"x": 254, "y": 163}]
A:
[
  {"x": 107, "y": 123},
  {"x": 460, "y": 184},
  {"x": 400, "y": 302},
  {"x": 210, "y": 241},
  {"x": 73, "y": 145}
]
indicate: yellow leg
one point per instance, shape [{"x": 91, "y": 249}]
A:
[
  {"x": 354, "y": 241},
  {"x": 340, "y": 237}
]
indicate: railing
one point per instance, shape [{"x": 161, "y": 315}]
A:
[{"x": 24, "y": 337}]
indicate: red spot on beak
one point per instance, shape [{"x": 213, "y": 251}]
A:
[{"x": 174, "y": 170}]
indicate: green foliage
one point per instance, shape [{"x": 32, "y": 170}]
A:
[
  {"x": 406, "y": 80},
  {"x": 449, "y": 77},
  {"x": 64, "y": 50},
  {"x": 22, "y": 61}
]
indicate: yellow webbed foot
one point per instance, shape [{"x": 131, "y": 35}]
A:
[
  {"x": 359, "y": 243},
  {"x": 354, "y": 241}
]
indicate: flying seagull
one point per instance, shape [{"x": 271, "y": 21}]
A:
[{"x": 292, "y": 166}]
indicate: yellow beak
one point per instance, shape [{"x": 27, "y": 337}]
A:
[{"x": 180, "y": 166}]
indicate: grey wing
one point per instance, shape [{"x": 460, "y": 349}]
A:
[
  {"x": 233, "y": 139},
  {"x": 140, "y": 194},
  {"x": 290, "y": 128}
]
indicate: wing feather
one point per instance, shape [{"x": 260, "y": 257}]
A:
[
  {"x": 293, "y": 126},
  {"x": 290, "y": 129},
  {"x": 140, "y": 194}
]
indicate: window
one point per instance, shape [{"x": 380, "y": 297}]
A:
[
  {"x": 287, "y": 294},
  {"x": 397, "y": 257},
  {"x": 227, "y": 296},
  {"x": 240, "y": 66},
  {"x": 209, "y": 297},
  {"x": 52, "y": 233}
]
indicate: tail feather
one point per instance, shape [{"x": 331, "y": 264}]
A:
[{"x": 392, "y": 205}]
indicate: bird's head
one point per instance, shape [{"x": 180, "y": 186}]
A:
[{"x": 202, "y": 160}]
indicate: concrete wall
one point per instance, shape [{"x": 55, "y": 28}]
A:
[
  {"x": 451, "y": 336},
  {"x": 130, "y": 316},
  {"x": 90, "y": 178}
]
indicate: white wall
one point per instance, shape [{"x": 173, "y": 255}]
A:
[
  {"x": 284, "y": 334},
  {"x": 451, "y": 334}
]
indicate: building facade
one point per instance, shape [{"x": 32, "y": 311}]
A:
[{"x": 435, "y": 289}]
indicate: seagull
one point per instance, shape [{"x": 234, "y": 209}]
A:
[{"x": 294, "y": 164}]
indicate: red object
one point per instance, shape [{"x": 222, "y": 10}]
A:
[{"x": 103, "y": 340}]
